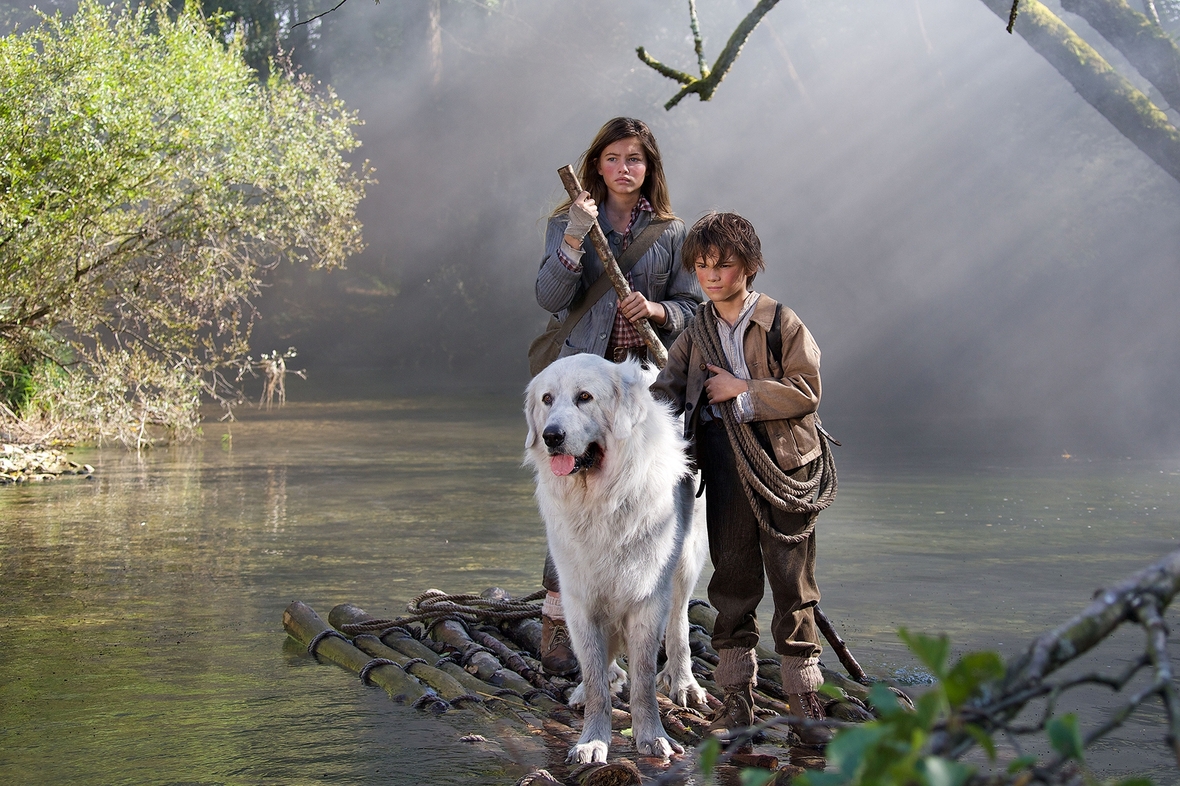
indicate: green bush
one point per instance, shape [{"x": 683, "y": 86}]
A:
[{"x": 147, "y": 183}]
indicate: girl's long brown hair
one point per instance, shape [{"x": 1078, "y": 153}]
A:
[{"x": 654, "y": 187}]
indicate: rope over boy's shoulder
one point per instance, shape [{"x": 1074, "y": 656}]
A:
[{"x": 762, "y": 479}]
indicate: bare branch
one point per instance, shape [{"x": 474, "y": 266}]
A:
[
  {"x": 705, "y": 86},
  {"x": 318, "y": 16}
]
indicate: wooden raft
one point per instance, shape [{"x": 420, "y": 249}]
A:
[{"x": 488, "y": 669}]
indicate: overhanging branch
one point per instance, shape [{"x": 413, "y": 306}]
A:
[{"x": 707, "y": 83}]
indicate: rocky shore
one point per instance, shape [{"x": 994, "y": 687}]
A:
[{"x": 34, "y": 464}]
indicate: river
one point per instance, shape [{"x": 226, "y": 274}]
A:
[{"x": 140, "y": 610}]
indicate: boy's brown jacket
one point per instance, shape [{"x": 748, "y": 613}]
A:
[{"x": 784, "y": 391}]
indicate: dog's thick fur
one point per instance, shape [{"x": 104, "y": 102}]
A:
[{"x": 622, "y": 534}]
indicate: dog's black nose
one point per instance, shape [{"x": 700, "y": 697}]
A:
[{"x": 553, "y": 436}]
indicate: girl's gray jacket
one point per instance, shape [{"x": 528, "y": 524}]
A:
[{"x": 658, "y": 276}]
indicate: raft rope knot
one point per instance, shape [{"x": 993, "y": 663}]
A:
[
  {"x": 374, "y": 663},
  {"x": 324, "y": 634},
  {"x": 762, "y": 479}
]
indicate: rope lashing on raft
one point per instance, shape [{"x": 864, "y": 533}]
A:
[
  {"x": 436, "y": 605},
  {"x": 324, "y": 634},
  {"x": 431, "y": 701},
  {"x": 374, "y": 663},
  {"x": 761, "y": 477}
]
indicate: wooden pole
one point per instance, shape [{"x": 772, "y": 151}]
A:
[
  {"x": 655, "y": 347},
  {"x": 841, "y": 649}
]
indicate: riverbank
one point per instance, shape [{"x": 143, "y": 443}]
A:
[{"x": 36, "y": 464}]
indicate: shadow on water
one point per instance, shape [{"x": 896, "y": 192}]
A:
[{"x": 140, "y": 634}]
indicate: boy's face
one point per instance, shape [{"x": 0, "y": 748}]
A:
[{"x": 723, "y": 280}]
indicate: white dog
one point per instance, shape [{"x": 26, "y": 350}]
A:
[{"x": 614, "y": 489}]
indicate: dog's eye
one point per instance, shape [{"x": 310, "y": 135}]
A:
[
  {"x": 584, "y": 396},
  {"x": 547, "y": 399}
]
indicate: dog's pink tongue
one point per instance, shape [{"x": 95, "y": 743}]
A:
[{"x": 561, "y": 465}]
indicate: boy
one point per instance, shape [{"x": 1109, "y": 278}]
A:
[{"x": 771, "y": 383}]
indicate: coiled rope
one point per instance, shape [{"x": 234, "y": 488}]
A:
[
  {"x": 762, "y": 479},
  {"x": 436, "y": 605}
]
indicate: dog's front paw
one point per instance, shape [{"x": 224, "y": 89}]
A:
[
  {"x": 658, "y": 746},
  {"x": 682, "y": 689},
  {"x": 593, "y": 752}
]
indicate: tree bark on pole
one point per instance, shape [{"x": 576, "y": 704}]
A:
[
  {"x": 1127, "y": 109},
  {"x": 1147, "y": 47},
  {"x": 658, "y": 354}
]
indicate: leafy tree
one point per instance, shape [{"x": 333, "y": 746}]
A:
[{"x": 147, "y": 183}]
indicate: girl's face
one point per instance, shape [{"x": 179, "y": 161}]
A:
[
  {"x": 723, "y": 280},
  {"x": 623, "y": 166}
]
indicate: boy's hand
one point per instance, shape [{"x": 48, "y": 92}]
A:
[
  {"x": 636, "y": 307},
  {"x": 723, "y": 386}
]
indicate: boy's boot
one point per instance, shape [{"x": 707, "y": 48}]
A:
[
  {"x": 557, "y": 653},
  {"x": 736, "y": 675},
  {"x": 801, "y": 681}
]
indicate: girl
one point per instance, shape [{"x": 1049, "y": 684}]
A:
[{"x": 623, "y": 175}]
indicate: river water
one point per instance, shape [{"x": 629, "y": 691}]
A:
[{"x": 140, "y": 610}]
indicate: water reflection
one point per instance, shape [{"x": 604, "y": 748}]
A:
[{"x": 140, "y": 610}]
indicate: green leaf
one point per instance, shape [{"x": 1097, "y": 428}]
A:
[
  {"x": 937, "y": 771},
  {"x": 707, "y": 755},
  {"x": 853, "y": 745},
  {"x": 1021, "y": 763},
  {"x": 933, "y": 652},
  {"x": 983, "y": 738},
  {"x": 969, "y": 674},
  {"x": 752, "y": 776},
  {"x": 833, "y": 691},
  {"x": 883, "y": 700},
  {"x": 813, "y": 778},
  {"x": 1065, "y": 737}
]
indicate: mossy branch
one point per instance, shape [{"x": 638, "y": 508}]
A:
[
  {"x": 1127, "y": 108},
  {"x": 1145, "y": 45},
  {"x": 707, "y": 83}
]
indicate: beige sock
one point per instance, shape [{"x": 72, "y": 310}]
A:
[
  {"x": 551, "y": 608},
  {"x": 737, "y": 669},
  {"x": 801, "y": 675}
]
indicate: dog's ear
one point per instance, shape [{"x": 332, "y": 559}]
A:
[
  {"x": 529, "y": 400},
  {"x": 630, "y": 393}
]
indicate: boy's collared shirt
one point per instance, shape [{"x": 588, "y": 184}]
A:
[
  {"x": 731, "y": 343},
  {"x": 784, "y": 389}
]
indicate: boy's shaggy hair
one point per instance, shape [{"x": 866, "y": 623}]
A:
[{"x": 723, "y": 235}]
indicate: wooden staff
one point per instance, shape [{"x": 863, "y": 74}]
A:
[{"x": 654, "y": 346}]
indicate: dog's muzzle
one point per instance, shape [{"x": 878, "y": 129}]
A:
[{"x": 562, "y": 464}]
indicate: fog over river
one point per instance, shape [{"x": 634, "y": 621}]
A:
[{"x": 986, "y": 263}]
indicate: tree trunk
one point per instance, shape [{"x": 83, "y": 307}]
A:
[
  {"x": 1128, "y": 110},
  {"x": 1145, "y": 45}
]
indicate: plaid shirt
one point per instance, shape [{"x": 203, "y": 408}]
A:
[{"x": 623, "y": 333}]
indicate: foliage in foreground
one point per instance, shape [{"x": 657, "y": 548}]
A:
[
  {"x": 895, "y": 749},
  {"x": 147, "y": 183}
]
